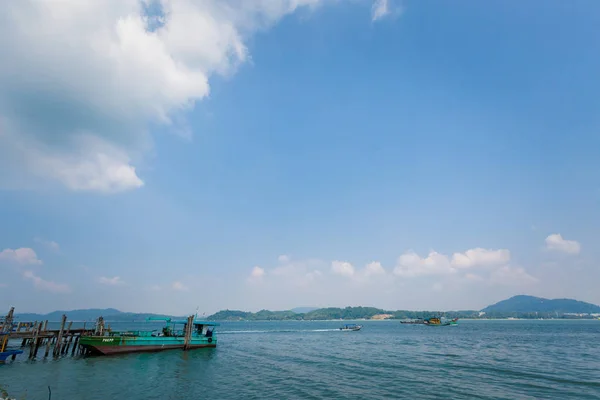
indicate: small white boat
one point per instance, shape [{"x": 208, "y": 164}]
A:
[{"x": 351, "y": 327}]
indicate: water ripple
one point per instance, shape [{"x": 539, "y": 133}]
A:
[{"x": 314, "y": 360}]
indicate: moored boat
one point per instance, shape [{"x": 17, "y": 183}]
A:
[
  {"x": 439, "y": 322},
  {"x": 196, "y": 335},
  {"x": 6, "y": 352},
  {"x": 351, "y": 327},
  {"x": 414, "y": 322}
]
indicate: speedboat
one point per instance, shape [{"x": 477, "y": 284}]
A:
[{"x": 351, "y": 327}]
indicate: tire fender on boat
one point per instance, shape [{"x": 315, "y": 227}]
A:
[{"x": 209, "y": 340}]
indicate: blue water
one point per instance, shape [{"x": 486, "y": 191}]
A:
[{"x": 314, "y": 360}]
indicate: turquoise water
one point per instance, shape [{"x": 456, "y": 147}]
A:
[{"x": 314, "y": 360}]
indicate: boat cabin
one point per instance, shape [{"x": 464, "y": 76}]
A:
[{"x": 171, "y": 329}]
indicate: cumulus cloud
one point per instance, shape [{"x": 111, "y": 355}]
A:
[
  {"x": 45, "y": 285},
  {"x": 283, "y": 258},
  {"x": 83, "y": 81},
  {"x": 374, "y": 268},
  {"x": 22, "y": 256},
  {"x": 342, "y": 268},
  {"x": 410, "y": 264},
  {"x": 555, "y": 242},
  {"x": 114, "y": 281},
  {"x": 480, "y": 257},
  {"x": 257, "y": 273},
  {"x": 313, "y": 275},
  {"x": 179, "y": 286}
]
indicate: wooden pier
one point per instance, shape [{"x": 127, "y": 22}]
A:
[{"x": 35, "y": 335}]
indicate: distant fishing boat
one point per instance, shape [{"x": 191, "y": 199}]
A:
[
  {"x": 414, "y": 322},
  {"x": 196, "y": 335},
  {"x": 351, "y": 327},
  {"x": 438, "y": 322}
]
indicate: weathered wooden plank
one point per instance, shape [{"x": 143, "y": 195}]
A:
[{"x": 57, "y": 346}]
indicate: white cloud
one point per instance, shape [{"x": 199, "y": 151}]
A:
[
  {"x": 508, "y": 275},
  {"x": 52, "y": 245},
  {"x": 342, "y": 268},
  {"x": 257, "y": 273},
  {"x": 48, "y": 286},
  {"x": 473, "y": 277},
  {"x": 555, "y": 242},
  {"x": 284, "y": 258},
  {"x": 298, "y": 273},
  {"x": 481, "y": 258},
  {"x": 23, "y": 256},
  {"x": 410, "y": 264},
  {"x": 114, "y": 281},
  {"x": 374, "y": 268},
  {"x": 179, "y": 286},
  {"x": 385, "y": 8},
  {"x": 312, "y": 275},
  {"x": 379, "y": 9},
  {"x": 84, "y": 80}
]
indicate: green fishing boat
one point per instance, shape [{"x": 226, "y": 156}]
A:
[
  {"x": 193, "y": 335},
  {"x": 439, "y": 322}
]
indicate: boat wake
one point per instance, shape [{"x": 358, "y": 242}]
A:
[{"x": 277, "y": 331}]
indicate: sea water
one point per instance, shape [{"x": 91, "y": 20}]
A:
[{"x": 551, "y": 359}]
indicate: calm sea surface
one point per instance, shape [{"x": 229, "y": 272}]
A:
[{"x": 314, "y": 360}]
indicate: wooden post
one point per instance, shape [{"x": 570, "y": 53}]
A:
[
  {"x": 4, "y": 342},
  {"x": 8, "y": 320},
  {"x": 32, "y": 343},
  {"x": 35, "y": 344},
  {"x": 189, "y": 328},
  {"x": 57, "y": 346},
  {"x": 48, "y": 342},
  {"x": 64, "y": 345},
  {"x": 75, "y": 345},
  {"x": 45, "y": 326},
  {"x": 70, "y": 342}
]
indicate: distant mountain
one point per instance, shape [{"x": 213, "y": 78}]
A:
[
  {"x": 91, "y": 314},
  {"x": 531, "y": 304},
  {"x": 73, "y": 315}
]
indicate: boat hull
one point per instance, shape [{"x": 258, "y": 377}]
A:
[
  {"x": 9, "y": 353},
  {"x": 100, "y": 345}
]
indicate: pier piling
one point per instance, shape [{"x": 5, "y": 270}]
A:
[
  {"x": 57, "y": 345},
  {"x": 37, "y": 334},
  {"x": 189, "y": 328}
]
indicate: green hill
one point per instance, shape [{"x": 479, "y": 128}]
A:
[
  {"x": 531, "y": 304},
  {"x": 347, "y": 313}
]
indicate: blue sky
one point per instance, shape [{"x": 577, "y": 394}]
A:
[{"x": 405, "y": 155}]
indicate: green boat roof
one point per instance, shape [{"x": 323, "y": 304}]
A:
[
  {"x": 196, "y": 322},
  {"x": 181, "y": 321}
]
